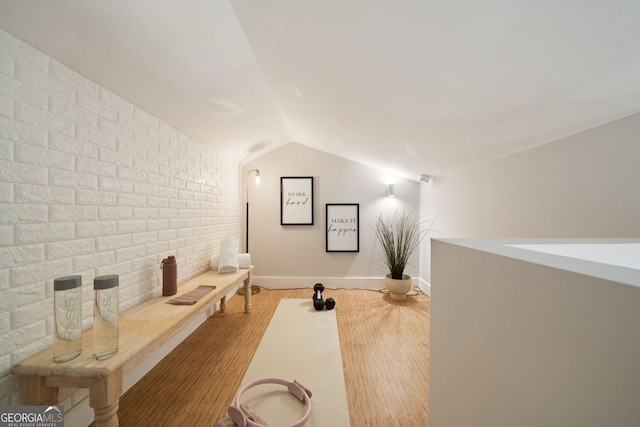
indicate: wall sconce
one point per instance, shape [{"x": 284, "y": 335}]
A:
[{"x": 391, "y": 190}]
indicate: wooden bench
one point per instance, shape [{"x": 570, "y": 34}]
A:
[{"x": 142, "y": 329}]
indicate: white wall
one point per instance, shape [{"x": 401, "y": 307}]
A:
[
  {"x": 91, "y": 184},
  {"x": 585, "y": 185},
  {"x": 293, "y": 252}
]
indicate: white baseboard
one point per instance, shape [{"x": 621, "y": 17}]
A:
[
  {"x": 330, "y": 282},
  {"x": 308, "y": 282},
  {"x": 425, "y": 286}
]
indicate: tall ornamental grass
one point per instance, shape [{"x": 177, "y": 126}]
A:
[{"x": 400, "y": 235}]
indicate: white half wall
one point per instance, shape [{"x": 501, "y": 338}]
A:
[{"x": 525, "y": 338}]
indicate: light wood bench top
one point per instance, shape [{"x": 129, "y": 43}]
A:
[{"x": 142, "y": 329}]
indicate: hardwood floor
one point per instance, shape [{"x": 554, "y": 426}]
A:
[{"x": 385, "y": 356}]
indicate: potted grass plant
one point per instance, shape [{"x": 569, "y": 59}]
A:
[{"x": 399, "y": 235}]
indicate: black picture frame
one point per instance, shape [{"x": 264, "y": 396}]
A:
[
  {"x": 343, "y": 227},
  {"x": 296, "y": 200}
]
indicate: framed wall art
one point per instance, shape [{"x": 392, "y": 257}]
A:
[
  {"x": 296, "y": 200},
  {"x": 343, "y": 227}
]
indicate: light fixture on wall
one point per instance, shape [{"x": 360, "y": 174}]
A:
[
  {"x": 423, "y": 178},
  {"x": 391, "y": 190},
  {"x": 256, "y": 172}
]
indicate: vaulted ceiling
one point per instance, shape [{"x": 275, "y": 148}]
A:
[{"x": 409, "y": 86}]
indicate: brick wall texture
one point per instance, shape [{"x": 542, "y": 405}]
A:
[{"x": 91, "y": 184}]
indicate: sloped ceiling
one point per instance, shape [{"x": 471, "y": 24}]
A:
[{"x": 407, "y": 86}]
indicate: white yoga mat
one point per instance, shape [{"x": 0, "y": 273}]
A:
[{"x": 300, "y": 343}]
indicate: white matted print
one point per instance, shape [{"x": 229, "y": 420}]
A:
[
  {"x": 343, "y": 227},
  {"x": 296, "y": 200}
]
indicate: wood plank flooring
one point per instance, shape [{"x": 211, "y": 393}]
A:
[{"x": 385, "y": 356}]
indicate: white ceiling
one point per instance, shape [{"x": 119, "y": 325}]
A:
[{"x": 409, "y": 86}]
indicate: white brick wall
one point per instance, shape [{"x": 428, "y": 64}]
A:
[{"x": 91, "y": 184}]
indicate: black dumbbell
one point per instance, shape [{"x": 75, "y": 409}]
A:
[
  {"x": 318, "y": 302},
  {"x": 330, "y": 303}
]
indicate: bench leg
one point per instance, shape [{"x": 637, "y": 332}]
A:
[
  {"x": 36, "y": 392},
  {"x": 104, "y": 398},
  {"x": 223, "y": 304},
  {"x": 247, "y": 294}
]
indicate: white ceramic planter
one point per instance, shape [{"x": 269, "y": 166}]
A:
[{"x": 398, "y": 288}]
